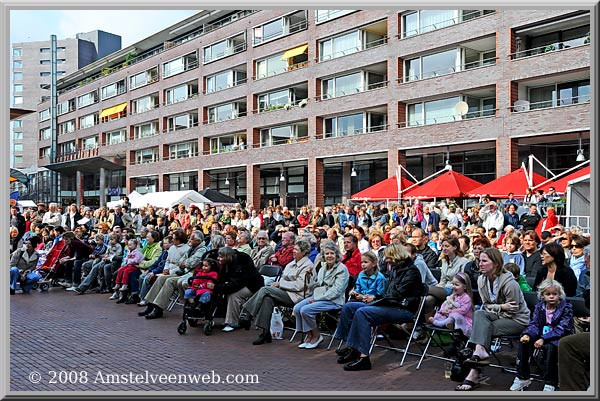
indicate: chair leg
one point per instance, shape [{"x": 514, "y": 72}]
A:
[
  {"x": 293, "y": 335},
  {"x": 430, "y": 335},
  {"x": 332, "y": 338},
  {"x": 373, "y": 339}
]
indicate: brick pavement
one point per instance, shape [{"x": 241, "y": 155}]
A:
[{"x": 58, "y": 330}]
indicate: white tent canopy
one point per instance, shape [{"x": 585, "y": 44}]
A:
[
  {"x": 132, "y": 196},
  {"x": 168, "y": 199},
  {"x": 26, "y": 203}
]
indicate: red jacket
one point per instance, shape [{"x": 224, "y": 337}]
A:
[
  {"x": 545, "y": 224},
  {"x": 352, "y": 261},
  {"x": 284, "y": 256}
]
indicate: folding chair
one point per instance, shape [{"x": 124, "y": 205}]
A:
[
  {"x": 579, "y": 308},
  {"x": 417, "y": 317},
  {"x": 431, "y": 330},
  {"x": 174, "y": 300}
]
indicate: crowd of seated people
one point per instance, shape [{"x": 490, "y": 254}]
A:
[{"x": 369, "y": 263}]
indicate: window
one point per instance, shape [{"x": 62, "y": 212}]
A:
[
  {"x": 145, "y": 130},
  {"x": 18, "y": 135},
  {"x": 45, "y": 50},
  {"x": 17, "y": 51},
  {"x": 183, "y": 121},
  {"x": 480, "y": 107},
  {"x": 113, "y": 89},
  {"x": 422, "y": 21},
  {"x": 65, "y": 107},
  {"x": 285, "y": 25},
  {"x": 17, "y": 76},
  {"x": 45, "y": 152},
  {"x": 283, "y": 134},
  {"x": 87, "y": 99},
  {"x": 45, "y": 62},
  {"x": 180, "y": 64},
  {"x": 339, "y": 46},
  {"x": 88, "y": 121},
  {"x": 275, "y": 100},
  {"x": 226, "y": 111},
  {"x": 115, "y": 137},
  {"x": 354, "y": 124},
  {"x": 59, "y": 73},
  {"x": 144, "y": 78},
  {"x": 228, "y": 143},
  {"x": 272, "y": 65},
  {"x": 144, "y": 104},
  {"x": 44, "y": 115},
  {"x": 60, "y": 61},
  {"x": 181, "y": 93},
  {"x": 224, "y": 80},
  {"x": 18, "y": 147},
  {"x": 17, "y": 99},
  {"x": 327, "y": 15},
  {"x": 146, "y": 156},
  {"x": 183, "y": 150},
  {"x": 66, "y": 127},
  {"x": 343, "y": 85},
  {"x": 17, "y": 88},
  {"x": 90, "y": 142},
  {"x": 224, "y": 48},
  {"x": 17, "y": 64},
  {"x": 61, "y": 48},
  {"x": 45, "y": 133},
  {"x": 45, "y": 74},
  {"x": 17, "y": 159},
  {"x": 559, "y": 94},
  {"x": 433, "y": 112},
  {"x": 17, "y": 123},
  {"x": 66, "y": 148}
]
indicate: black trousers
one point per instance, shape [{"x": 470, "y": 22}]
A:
[
  {"x": 574, "y": 362},
  {"x": 550, "y": 361}
]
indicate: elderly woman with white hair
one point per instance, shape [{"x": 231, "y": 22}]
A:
[{"x": 328, "y": 289}]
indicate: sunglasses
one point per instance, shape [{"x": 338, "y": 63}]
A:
[{"x": 576, "y": 246}]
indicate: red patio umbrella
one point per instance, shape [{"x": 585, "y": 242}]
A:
[
  {"x": 446, "y": 185},
  {"x": 383, "y": 190},
  {"x": 515, "y": 182},
  {"x": 561, "y": 184}
]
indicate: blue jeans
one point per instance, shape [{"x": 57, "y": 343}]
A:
[
  {"x": 92, "y": 277},
  {"x": 76, "y": 280},
  {"x": 134, "y": 284},
  {"x": 30, "y": 279},
  {"x": 146, "y": 283},
  {"x": 357, "y": 319},
  {"x": 14, "y": 277},
  {"x": 306, "y": 314}
]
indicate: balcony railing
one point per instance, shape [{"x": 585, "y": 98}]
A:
[
  {"x": 144, "y": 110},
  {"x": 175, "y": 156},
  {"x": 584, "y": 40},
  {"x": 184, "y": 68},
  {"x": 353, "y": 91},
  {"x": 292, "y": 67},
  {"x": 225, "y": 149},
  {"x": 352, "y": 50},
  {"x": 331, "y": 15},
  {"x": 138, "y": 161},
  {"x": 220, "y": 88},
  {"x": 563, "y": 101},
  {"x": 180, "y": 128},
  {"x": 234, "y": 115},
  {"x": 448, "y": 119},
  {"x": 444, "y": 23},
  {"x": 340, "y": 133},
  {"x": 77, "y": 154},
  {"x": 285, "y": 106},
  {"x": 151, "y": 134},
  {"x": 228, "y": 51},
  {"x": 278, "y": 142},
  {"x": 449, "y": 70},
  {"x": 297, "y": 27},
  {"x": 190, "y": 97}
]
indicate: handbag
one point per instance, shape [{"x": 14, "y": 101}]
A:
[
  {"x": 276, "y": 324},
  {"x": 459, "y": 372}
]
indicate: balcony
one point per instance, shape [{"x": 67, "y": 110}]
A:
[
  {"x": 292, "y": 67},
  {"x": 550, "y": 48},
  {"x": 77, "y": 154},
  {"x": 354, "y": 49},
  {"x": 448, "y": 119},
  {"x": 353, "y": 91},
  {"x": 448, "y": 70},
  {"x": 361, "y": 131},
  {"x": 564, "y": 118}
]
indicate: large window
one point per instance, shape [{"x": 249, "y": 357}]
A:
[
  {"x": 45, "y": 133},
  {"x": 181, "y": 93},
  {"x": 183, "y": 150},
  {"x": 276, "y": 100},
  {"x": 285, "y": 25},
  {"x": 145, "y": 130},
  {"x": 354, "y": 41},
  {"x": 65, "y": 107},
  {"x": 17, "y": 123},
  {"x": 17, "y": 99},
  {"x": 271, "y": 65},
  {"x": 90, "y": 142},
  {"x": 115, "y": 137},
  {"x": 143, "y": 78},
  {"x": 146, "y": 156},
  {"x": 559, "y": 94},
  {"x": 224, "y": 48},
  {"x": 183, "y": 121},
  {"x": 144, "y": 104},
  {"x": 422, "y": 21},
  {"x": 225, "y": 79},
  {"x": 180, "y": 64},
  {"x": 113, "y": 89},
  {"x": 351, "y": 83},
  {"x": 354, "y": 124},
  {"x": 87, "y": 99},
  {"x": 67, "y": 148},
  {"x": 88, "y": 121},
  {"x": 283, "y": 134},
  {"x": 44, "y": 115},
  {"x": 226, "y": 111},
  {"x": 66, "y": 127},
  {"x": 433, "y": 112},
  {"x": 17, "y": 76},
  {"x": 17, "y": 87},
  {"x": 228, "y": 143}
]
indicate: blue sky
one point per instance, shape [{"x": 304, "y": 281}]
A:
[{"x": 131, "y": 25}]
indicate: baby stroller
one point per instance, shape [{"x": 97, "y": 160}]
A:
[
  {"x": 196, "y": 311},
  {"x": 48, "y": 266}
]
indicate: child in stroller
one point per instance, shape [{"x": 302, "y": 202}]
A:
[{"x": 202, "y": 306}]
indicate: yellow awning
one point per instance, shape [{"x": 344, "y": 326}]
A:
[
  {"x": 113, "y": 110},
  {"x": 294, "y": 52}
]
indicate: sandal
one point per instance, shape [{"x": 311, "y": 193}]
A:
[
  {"x": 472, "y": 385},
  {"x": 476, "y": 361}
]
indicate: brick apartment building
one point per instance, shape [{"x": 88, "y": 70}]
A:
[{"x": 308, "y": 107}]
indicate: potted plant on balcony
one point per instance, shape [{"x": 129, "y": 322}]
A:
[
  {"x": 587, "y": 39},
  {"x": 287, "y": 106},
  {"x": 303, "y": 102}
]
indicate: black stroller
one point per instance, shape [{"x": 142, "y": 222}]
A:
[{"x": 194, "y": 312}]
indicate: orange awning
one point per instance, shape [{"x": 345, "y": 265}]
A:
[{"x": 113, "y": 110}]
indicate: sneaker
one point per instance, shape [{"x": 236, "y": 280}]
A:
[
  {"x": 72, "y": 289},
  {"x": 228, "y": 328},
  {"x": 78, "y": 291},
  {"x": 124, "y": 287},
  {"x": 520, "y": 384},
  {"x": 115, "y": 295},
  {"x": 116, "y": 287},
  {"x": 549, "y": 387}
]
